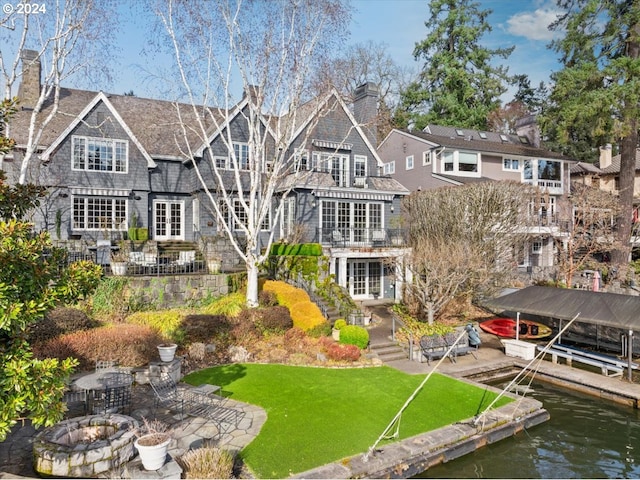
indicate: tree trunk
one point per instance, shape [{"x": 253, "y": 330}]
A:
[
  {"x": 252, "y": 281},
  {"x": 628, "y": 145}
]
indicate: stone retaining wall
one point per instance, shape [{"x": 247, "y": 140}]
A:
[{"x": 170, "y": 290}]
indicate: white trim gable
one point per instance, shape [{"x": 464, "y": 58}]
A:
[
  {"x": 100, "y": 97},
  {"x": 237, "y": 109},
  {"x": 412, "y": 137},
  {"x": 351, "y": 118}
]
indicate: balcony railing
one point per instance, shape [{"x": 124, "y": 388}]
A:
[{"x": 361, "y": 237}]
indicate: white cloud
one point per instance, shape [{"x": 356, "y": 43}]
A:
[{"x": 533, "y": 25}]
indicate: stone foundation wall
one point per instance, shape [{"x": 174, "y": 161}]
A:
[{"x": 178, "y": 290}]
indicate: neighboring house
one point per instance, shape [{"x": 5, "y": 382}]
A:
[
  {"x": 447, "y": 156},
  {"x": 112, "y": 160}
]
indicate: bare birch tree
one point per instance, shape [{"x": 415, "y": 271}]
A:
[
  {"x": 63, "y": 38},
  {"x": 589, "y": 216},
  {"x": 463, "y": 239},
  {"x": 268, "y": 50}
]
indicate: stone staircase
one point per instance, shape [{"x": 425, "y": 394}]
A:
[{"x": 388, "y": 351}]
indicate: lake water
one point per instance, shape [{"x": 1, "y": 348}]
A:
[{"x": 585, "y": 438}]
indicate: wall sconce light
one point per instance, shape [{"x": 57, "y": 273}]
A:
[
  {"x": 391, "y": 208},
  {"x": 138, "y": 197},
  {"x": 313, "y": 203},
  {"x": 63, "y": 195}
]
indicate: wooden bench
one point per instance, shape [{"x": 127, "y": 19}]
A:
[{"x": 609, "y": 366}]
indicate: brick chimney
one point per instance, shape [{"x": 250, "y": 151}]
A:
[
  {"x": 605, "y": 156},
  {"x": 29, "y": 90},
  {"x": 365, "y": 109}
]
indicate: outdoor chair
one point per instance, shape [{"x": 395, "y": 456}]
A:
[
  {"x": 106, "y": 365},
  {"x": 186, "y": 259},
  {"x": 433, "y": 347},
  {"x": 167, "y": 394},
  {"x": 116, "y": 398},
  {"x": 336, "y": 237},
  {"x": 75, "y": 397}
]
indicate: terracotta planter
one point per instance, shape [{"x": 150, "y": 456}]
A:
[
  {"x": 153, "y": 450},
  {"x": 167, "y": 351}
]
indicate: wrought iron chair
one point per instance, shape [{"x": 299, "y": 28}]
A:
[{"x": 75, "y": 397}]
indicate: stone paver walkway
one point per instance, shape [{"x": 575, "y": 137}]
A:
[{"x": 16, "y": 451}]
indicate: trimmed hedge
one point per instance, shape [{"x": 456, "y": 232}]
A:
[
  {"x": 305, "y": 314},
  {"x": 354, "y": 335},
  {"x": 304, "y": 249}
]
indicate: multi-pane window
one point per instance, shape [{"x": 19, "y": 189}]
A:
[
  {"x": 426, "y": 158},
  {"x": 360, "y": 166},
  {"x": 355, "y": 220},
  {"x": 337, "y": 165},
  {"x": 241, "y": 151},
  {"x": 100, "y": 154},
  {"x": 243, "y": 217},
  {"x": 301, "y": 158},
  {"x": 536, "y": 247},
  {"x": 99, "y": 213},
  {"x": 221, "y": 162}
]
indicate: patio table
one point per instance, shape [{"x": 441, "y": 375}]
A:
[{"x": 96, "y": 382}]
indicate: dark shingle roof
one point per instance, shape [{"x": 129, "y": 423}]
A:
[
  {"x": 470, "y": 140},
  {"x": 615, "y": 164},
  {"x": 155, "y": 123}
]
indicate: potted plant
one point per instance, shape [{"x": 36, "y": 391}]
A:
[
  {"x": 119, "y": 259},
  {"x": 152, "y": 443},
  {"x": 167, "y": 351},
  {"x": 337, "y": 325}
]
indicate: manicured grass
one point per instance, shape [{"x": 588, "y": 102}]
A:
[{"x": 319, "y": 415}]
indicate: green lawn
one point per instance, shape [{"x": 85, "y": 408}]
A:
[{"x": 320, "y": 415}]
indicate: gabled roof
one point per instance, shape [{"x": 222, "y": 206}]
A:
[
  {"x": 615, "y": 164},
  {"x": 465, "y": 139},
  {"x": 611, "y": 309},
  {"x": 154, "y": 123},
  {"x": 310, "y": 110},
  {"x": 582, "y": 168},
  {"x": 100, "y": 97}
]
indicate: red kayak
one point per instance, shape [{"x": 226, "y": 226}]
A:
[{"x": 506, "y": 327}]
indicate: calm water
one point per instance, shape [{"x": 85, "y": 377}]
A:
[{"x": 585, "y": 438}]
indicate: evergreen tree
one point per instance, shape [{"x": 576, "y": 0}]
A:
[
  {"x": 597, "y": 93},
  {"x": 459, "y": 85}
]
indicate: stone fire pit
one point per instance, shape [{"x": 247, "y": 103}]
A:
[{"x": 84, "y": 446}]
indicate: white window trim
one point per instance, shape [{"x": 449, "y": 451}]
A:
[
  {"x": 409, "y": 162},
  {"x": 426, "y": 158},
  {"x": 225, "y": 161},
  {"x": 512, "y": 158},
  {"x": 86, "y": 140},
  {"x": 390, "y": 168},
  {"x": 297, "y": 156},
  {"x": 456, "y": 164},
  {"x": 536, "y": 247},
  {"x": 237, "y": 228},
  {"x": 359, "y": 159},
  {"x": 233, "y": 155},
  {"x": 122, "y": 227}
]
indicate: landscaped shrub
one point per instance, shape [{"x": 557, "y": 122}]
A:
[
  {"x": 267, "y": 299},
  {"x": 60, "y": 321},
  {"x": 131, "y": 345},
  {"x": 342, "y": 353},
  {"x": 207, "y": 462},
  {"x": 165, "y": 322},
  {"x": 339, "y": 323},
  {"x": 321, "y": 330},
  {"x": 287, "y": 295},
  {"x": 354, "y": 335},
  {"x": 273, "y": 319},
  {"x": 204, "y": 327},
  {"x": 306, "y": 315},
  {"x": 230, "y": 305},
  {"x": 109, "y": 301},
  {"x": 244, "y": 330}
]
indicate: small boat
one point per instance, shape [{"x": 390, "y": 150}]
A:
[{"x": 506, "y": 327}]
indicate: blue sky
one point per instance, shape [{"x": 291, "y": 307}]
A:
[{"x": 397, "y": 23}]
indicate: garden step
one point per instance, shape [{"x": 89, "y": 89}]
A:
[{"x": 388, "y": 351}]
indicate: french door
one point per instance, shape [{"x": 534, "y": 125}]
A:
[
  {"x": 168, "y": 220},
  {"x": 365, "y": 278}
]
